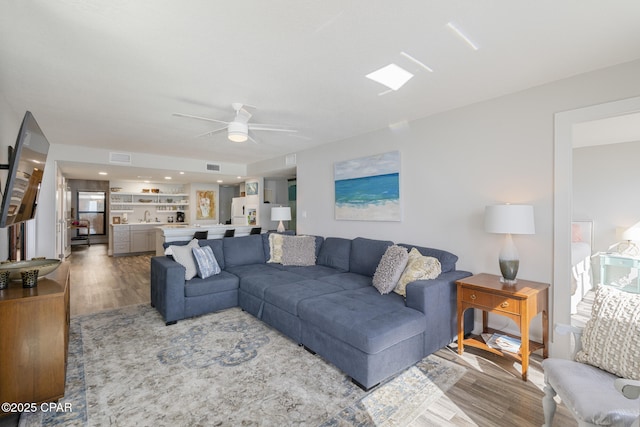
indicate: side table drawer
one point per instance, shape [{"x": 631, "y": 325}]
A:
[{"x": 490, "y": 301}]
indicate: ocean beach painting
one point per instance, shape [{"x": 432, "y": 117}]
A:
[{"x": 368, "y": 188}]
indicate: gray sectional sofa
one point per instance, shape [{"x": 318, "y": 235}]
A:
[{"x": 331, "y": 307}]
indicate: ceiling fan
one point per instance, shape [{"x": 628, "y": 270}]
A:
[{"x": 238, "y": 129}]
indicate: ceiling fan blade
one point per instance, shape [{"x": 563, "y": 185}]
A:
[
  {"x": 263, "y": 127},
  {"x": 199, "y": 118},
  {"x": 253, "y": 138},
  {"x": 212, "y": 132}
]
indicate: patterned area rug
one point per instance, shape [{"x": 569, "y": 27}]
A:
[{"x": 127, "y": 368}]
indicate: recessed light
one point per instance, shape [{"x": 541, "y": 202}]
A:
[
  {"x": 460, "y": 34},
  {"x": 219, "y": 181},
  {"x": 167, "y": 177},
  {"x": 102, "y": 173},
  {"x": 146, "y": 181},
  {"x": 238, "y": 177},
  {"x": 391, "y": 76},
  {"x": 181, "y": 173}
]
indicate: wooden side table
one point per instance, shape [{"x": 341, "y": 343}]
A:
[{"x": 520, "y": 302}]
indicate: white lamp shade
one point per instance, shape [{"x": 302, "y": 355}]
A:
[
  {"x": 281, "y": 213},
  {"x": 509, "y": 219}
]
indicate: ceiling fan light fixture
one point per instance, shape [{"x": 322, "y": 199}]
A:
[{"x": 238, "y": 132}]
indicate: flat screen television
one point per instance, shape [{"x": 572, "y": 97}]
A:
[{"x": 26, "y": 168}]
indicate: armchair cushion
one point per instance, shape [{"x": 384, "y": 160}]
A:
[
  {"x": 589, "y": 392},
  {"x": 611, "y": 337}
]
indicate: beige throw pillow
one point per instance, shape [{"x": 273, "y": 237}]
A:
[
  {"x": 419, "y": 267},
  {"x": 611, "y": 337},
  {"x": 275, "y": 248}
]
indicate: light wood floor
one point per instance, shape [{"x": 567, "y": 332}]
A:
[{"x": 491, "y": 392}]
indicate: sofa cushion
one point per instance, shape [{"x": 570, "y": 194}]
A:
[
  {"x": 310, "y": 271},
  {"x": 335, "y": 252},
  {"x": 447, "y": 259},
  {"x": 184, "y": 256},
  {"x": 243, "y": 250},
  {"x": 218, "y": 283},
  {"x": 299, "y": 250},
  {"x": 611, "y": 337},
  {"x": 206, "y": 264},
  {"x": 366, "y": 254},
  {"x": 349, "y": 281},
  {"x": 257, "y": 284},
  {"x": 390, "y": 268},
  {"x": 419, "y": 267},
  {"x": 216, "y": 247},
  {"x": 288, "y": 296},
  {"x": 363, "y": 318}
]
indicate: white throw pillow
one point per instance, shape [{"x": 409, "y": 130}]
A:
[
  {"x": 184, "y": 256},
  {"x": 390, "y": 268},
  {"x": 419, "y": 267},
  {"x": 611, "y": 337}
]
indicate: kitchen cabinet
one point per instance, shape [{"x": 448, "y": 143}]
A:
[
  {"x": 143, "y": 238},
  {"x": 121, "y": 239}
]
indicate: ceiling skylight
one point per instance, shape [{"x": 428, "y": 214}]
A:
[{"x": 391, "y": 76}]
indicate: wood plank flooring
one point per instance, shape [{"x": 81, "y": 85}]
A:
[{"x": 491, "y": 392}]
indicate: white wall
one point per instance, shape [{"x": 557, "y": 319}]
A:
[
  {"x": 605, "y": 185},
  {"x": 457, "y": 162}
]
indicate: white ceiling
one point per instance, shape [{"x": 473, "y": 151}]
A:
[{"x": 110, "y": 73}]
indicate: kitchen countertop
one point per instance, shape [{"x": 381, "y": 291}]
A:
[{"x": 157, "y": 224}]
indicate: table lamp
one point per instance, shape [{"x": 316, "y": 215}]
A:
[
  {"x": 282, "y": 213},
  {"x": 509, "y": 219}
]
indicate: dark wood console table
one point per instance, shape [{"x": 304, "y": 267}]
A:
[{"x": 34, "y": 338}]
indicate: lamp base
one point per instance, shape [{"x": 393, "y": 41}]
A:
[
  {"x": 280, "y": 228},
  {"x": 509, "y": 270}
]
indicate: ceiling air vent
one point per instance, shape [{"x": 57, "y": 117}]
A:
[
  {"x": 213, "y": 167},
  {"x": 121, "y": 158},
  {"x": 290, "y": 159}
]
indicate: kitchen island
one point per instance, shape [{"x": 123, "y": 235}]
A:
[{"x": 180, "y": 232}]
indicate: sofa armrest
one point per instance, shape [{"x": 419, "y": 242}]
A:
[
  {"x": 167, "y": 288},
  {"x": 437, "y": 299}
]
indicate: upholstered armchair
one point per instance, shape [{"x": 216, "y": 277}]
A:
[{"x": 607, "y": 349}]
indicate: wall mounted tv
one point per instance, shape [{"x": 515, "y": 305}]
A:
[{"x": 26, "y": 168}]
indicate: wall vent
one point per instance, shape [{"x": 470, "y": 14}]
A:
[
  {"x": 213, "y": 167},
  {"x": 290, "y": 159},
  {"x": 120, "y": 158}
]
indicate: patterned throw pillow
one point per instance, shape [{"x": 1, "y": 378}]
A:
[
  {"x": 298, "y": 250},
  {"x": 275, "y": 248},
  {"x": 419, "y": 267},
  {"x": 611, "y": 337},
  {"x": 390, "y": 268},
  {"x": 206, "y": 263},
  {"x": 184, "y": 256}
]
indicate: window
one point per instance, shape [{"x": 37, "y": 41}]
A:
[{"x": 91, "y": 208}]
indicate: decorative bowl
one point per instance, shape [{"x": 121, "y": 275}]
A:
[
  {"x": 145, "y": 190},
  {"x": 155, "y": 190},
  {"x": 145, "y": 200},
  {"x": 115, "y": 189},
  {"x": 43, "y": 265}
]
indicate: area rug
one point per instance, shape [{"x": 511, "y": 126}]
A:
[{"x": 127, "y": 368}]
